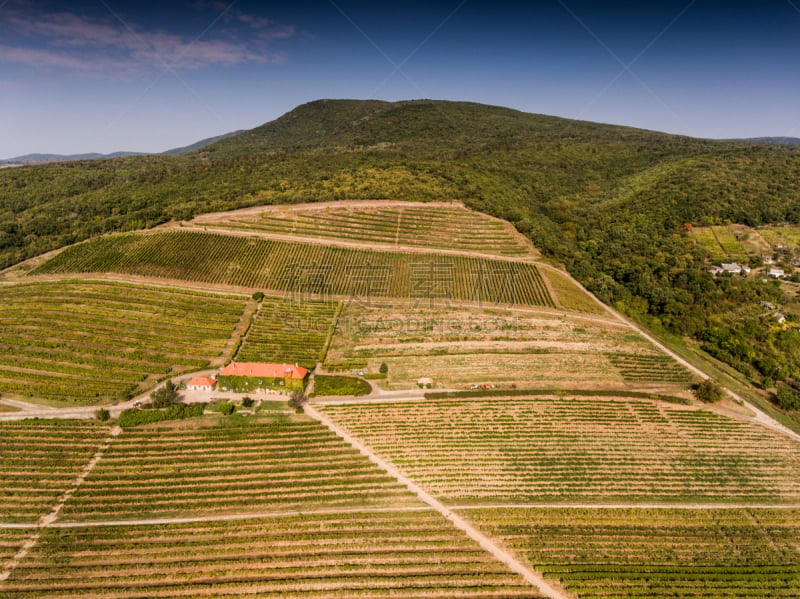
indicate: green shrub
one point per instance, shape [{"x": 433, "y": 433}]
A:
[
  {"x": 102, "y": 414},
  {"x": 258, "y": 296},
  {"x": 340, "y": 385},
  {"x": 384, "y": 368},
  {"x": 248, "y": 402}
]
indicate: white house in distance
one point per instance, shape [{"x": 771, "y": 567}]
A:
[
  {"x": 776, "y": 273},
  {"x": 201, "y": 383},
  {"x": 732, "y": 268}
]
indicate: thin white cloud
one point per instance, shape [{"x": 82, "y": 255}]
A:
[{"x": 73, "y": 42}]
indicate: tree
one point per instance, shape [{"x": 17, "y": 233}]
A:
[
  {"x": 709, "y": 391},
  {"x": 787, "y": 397},
  {"x": 297, "y": 399},
  {"x": 247, "y": 402},
  {"x": 102, "y": 414},
  {"x": 384, "y": 368},
  {"x": 258, "y": 296},
  {"x": 226, "y": 408},
  {"x": 165, "y": 396}
]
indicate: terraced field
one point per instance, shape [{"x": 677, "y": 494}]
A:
[
  {"x": 563, "y": 450},
  {"x": 656, "y": 553},
  {"x": 458, "y": 347},
  {"x": 289, "y": 332},
  {"x": 302, "y": 269},
  {"x": 368, "y": 554},
  {"x": 278, "y": 463},
  {"x": 39, "y": 460},
  {"x": 97, "y": 341},
  {"x": 432, "y": 226}
]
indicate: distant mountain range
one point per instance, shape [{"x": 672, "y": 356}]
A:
[
  {"x": 791, "y": 141},
  {"x": 42, "y": 158}
]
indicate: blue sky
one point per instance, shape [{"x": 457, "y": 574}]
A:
[{"x": 113, "y": 75}]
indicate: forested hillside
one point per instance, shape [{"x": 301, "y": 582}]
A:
[{"x": 612, "y": 203}]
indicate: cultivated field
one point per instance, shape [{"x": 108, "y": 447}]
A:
[
  {"x": 629, "y": 553},
  {"x": 570, "y": 296},
  {"x": 289, "y": 332},
  {"x": 39, "y": 460},
  {"x": 235, "y": 465},
  {"x": 437, "y": 226},
  {"x": 721, "y": 242},
  {"x": 574, "y": 449},
  {"x": 96, "y": 341},
  {"x": 301, "y": 269},
  {"x": 368, "y": 554},
  {"x": 460, "y": 346}
]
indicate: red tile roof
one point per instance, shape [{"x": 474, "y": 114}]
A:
[
  {"x": 201, "y": 381},
  {"x": 275, "y": 371}
]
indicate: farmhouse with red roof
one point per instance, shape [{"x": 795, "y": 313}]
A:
[
  {"x": 254, "y": 376},
  {"x": 201, "y": 383}
]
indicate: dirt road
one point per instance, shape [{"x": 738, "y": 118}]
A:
[{"x": 487, "y": 544}]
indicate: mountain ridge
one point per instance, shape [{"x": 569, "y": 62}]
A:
[
  {"x": 40, "y": 158},
  {"x": 615, "y": 205}
]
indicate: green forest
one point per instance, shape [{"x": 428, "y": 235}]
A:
[{"x": 610, "y": 203}]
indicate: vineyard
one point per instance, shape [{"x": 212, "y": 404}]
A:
[
  {"x": 289, "y": 332},
  {"x": 301, "y": 269},
  {"x": 570, "y": 295},
  {"x": 651, "y": 366},
  {"x": 97, "y": 341},
  {"x": 366, "y": 554},
  {"x": 458, "y": 347},
  {"x": 656, "y": 553},
  {"x": 238, "y": 465},
  {"x": 39, "y": 460},
  {"x": 431, "y": 226},
  {"x": 571, "y": 449}
]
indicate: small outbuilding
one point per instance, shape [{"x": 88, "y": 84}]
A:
[{"x": 201, "y": 383}]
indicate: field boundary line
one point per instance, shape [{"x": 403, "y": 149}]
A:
[
  {"x": 486, "y": 543},
  {"x": 49, "y": 519},
  {"x": 627, "y": 506},
  {"x": 219, "y": 517},
  {"x": 389, "y": 510}
]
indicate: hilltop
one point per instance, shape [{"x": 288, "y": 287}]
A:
[{"x": 610, "y": 203}]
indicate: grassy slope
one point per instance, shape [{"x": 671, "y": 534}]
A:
[{"x": 607, "y": 201}]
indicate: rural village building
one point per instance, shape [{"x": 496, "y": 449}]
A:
[
  {"x": 735, "y": 269},
  {"x": 201, "y": 383},
  {"x": 732, "y": 268},
  {"x": 776, "y": 273},
  {"x": 263, "y": 376}
]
